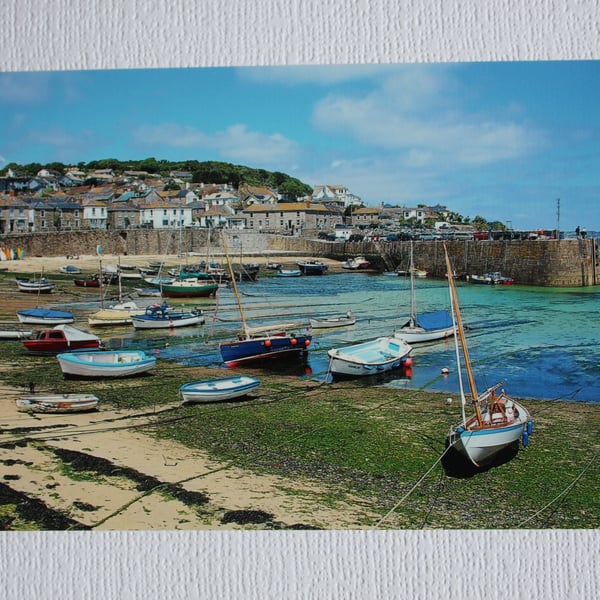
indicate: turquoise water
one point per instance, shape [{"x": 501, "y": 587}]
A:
[{"x": 542, "y": 343}]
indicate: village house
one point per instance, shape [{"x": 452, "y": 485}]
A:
[
  {"x": 123, "y": 215},
  {"x": 252, "y": 194},
  {"x": 95, "y": 214},
  {"x": 338, "y": 194},
  {"x": 292, "y": 218},
  {"x": 163, "y": 214},
  {"x": 15, "y": 215},
  {"x": 365, "y": 216}
]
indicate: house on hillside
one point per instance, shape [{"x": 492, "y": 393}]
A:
[
  {"x": 292, "y": 218},
  {"x": 253, "y": 194},
  {"x": 338, "y": 194},
  {"x": 365, "y": 216},
  {"x": 163, "y": 214},
  {"x": 123, "y": 214},
  {"x": 15, "y": 215},
  {"x": 95, "y": 213}
]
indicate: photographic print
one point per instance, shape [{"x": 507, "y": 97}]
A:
[{"x": 327, "y": 297}]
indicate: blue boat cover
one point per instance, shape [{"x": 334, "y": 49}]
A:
[{"x": 439, "y": 319}]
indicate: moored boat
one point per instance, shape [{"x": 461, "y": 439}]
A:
[
  {"x": 499, "y": 421},
  {"x": 188, "y": 288},
  {"x": 275, "y": 341},
  {"x": 57, "y": 403},
  {"x": 35, "y": 286},
  {"x": 164, "y": 317},
  {"x": 369, "y": 358},
  {"x": 119, "y": 314},
  {"x": 427, "y": 326},
  {"x": 213, "y": 390},
  {"x": 61, "y": 338},
  {"x": 10, "y": 331},
  {"x": 312, "y": 267},
  {"x": 495, "y": 278},
  {"x": 281, "y": 272},
  {"x": 44, "y": 316},
  {"x": 70, "y": 270},
  {"x": 358, "y": 262},
  {"x": 326, "y": 322},
  {"x": 105, "y": 363},
  {"x": 94, "y": 281}
]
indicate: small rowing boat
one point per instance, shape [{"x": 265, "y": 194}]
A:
[{"x": 213, "y": 390}]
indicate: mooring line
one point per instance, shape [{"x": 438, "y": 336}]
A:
[
  {"x": 562, "y": 493},
  {"x": 412, "y": 489}
]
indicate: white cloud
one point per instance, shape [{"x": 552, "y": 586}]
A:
[
  {"x": 409, "y": 115},
  {"x": 313, "y": 74},
  {"x": 65, "y": 145},
  {"x": 236, "y": 143},
  {"x": 25, "y": 88}
]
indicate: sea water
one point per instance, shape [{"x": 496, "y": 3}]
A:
[{"x": 540, "y": 342}]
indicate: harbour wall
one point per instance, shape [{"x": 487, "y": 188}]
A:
[{"x": 551, "y": 263}]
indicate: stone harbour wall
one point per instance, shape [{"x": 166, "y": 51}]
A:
[{"x": 554, "y": 263}]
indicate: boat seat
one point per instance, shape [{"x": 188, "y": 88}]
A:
[{"x": 498, "y": 417}]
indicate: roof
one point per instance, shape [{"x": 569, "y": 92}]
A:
[{"x": 288, "y": 207}]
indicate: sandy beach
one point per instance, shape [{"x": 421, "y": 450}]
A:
[{"x": 223, "y": 495}]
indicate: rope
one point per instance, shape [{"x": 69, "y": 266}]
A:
[
  {"x": 412, "y": 489},
  {"x": 555, "y": 499}
]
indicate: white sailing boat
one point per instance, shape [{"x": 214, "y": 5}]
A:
[
  {"x": 498, "y": 422},
  {"x": 424, "y": 327}
]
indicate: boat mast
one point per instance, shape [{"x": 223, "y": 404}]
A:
[
  {"x": 413, "y": 304},
  {"x": 235, "y": 288},
  {"x": 463, "y": 340}
]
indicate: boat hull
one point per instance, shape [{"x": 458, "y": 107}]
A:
[
  {"x": 332, "y": 322},
  {"x": 254, "y": 349},
  {"x": 215, "y": 390},
  {"x": 369, "y": 358},
  {"x": 480, "y": 446},
  {"x": 15, "y": 334},
  {"x": 313, "y": 267},
  {"x": 44, "y": 316},
  {"x": 105, "y": 363},
  {"x": 57, "y": 403},
  {"x": 34, "y": 287},
  {"x": 168, "y": 322},
  {"x": 414, "y": 335},
  {"x": 187, "y": 289}
]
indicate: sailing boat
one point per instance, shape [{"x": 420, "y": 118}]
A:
[
  {"x": 259, "y": 343},
  {"x": 498, "y": 422},
  {"x": 187, "y": 287},
  {"x": 424, "y": 327},
  {"x": 118, "y": 314}
]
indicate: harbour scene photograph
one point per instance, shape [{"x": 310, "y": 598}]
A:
[{"x": 360, "y": 303}]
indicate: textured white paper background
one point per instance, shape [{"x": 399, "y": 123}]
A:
[{"x": 94, "y": 34}]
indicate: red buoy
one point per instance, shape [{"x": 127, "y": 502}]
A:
[
  {"x": 268, "y": 343},
  {"x": 293, "y": 341}
]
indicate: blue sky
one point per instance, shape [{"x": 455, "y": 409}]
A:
[{"x": 501, "y": 140}]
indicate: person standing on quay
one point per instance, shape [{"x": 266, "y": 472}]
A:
[{"x": 577, "y": 231}]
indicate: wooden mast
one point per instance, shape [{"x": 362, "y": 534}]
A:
[
  {"x": 235, "y": 288},
  {"x": 413, "y": 301},
  {"x": 463, "y": 341}
]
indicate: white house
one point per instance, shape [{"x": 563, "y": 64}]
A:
[
  {"x": 162, "y": 215},
  {"x": 95, "y": 214}
]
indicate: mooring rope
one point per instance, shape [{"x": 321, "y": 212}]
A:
[
  {"x": 412, "y": 489},
  {"x": 562, "y": 493}
]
